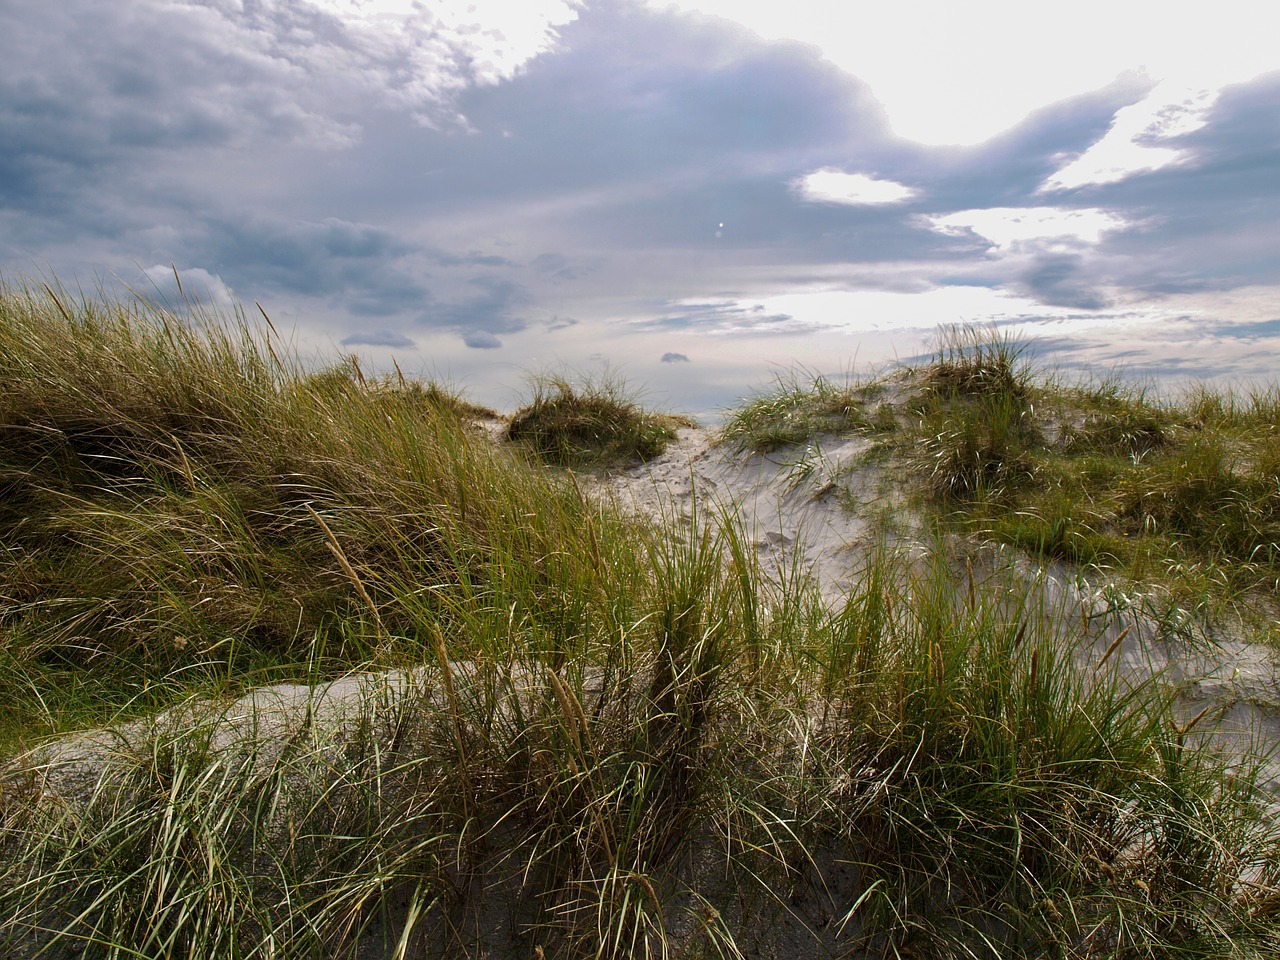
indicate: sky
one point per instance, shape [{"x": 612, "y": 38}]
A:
[{"x": 694, "y": 197}]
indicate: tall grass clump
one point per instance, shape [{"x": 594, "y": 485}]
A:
[
  {"x": 974, "y": 415},
  {"x": 927, "y": 770},
  {"x": 799, "y": 409},
  {"x": 592, "y": 423},
  {"x": 183, "y": 501},
  {"x": 988, "y": 789},
  {"x": 1179, "y": 495}
]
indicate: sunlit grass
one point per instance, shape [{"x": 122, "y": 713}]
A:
[{"x": 798, "y": 410}]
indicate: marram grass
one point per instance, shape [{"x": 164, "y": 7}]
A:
[
  {"x": 576, "y": 735},
  {"x": 1176, "y": 497}
]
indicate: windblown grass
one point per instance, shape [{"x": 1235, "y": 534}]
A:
[
  {"x": 601, "y": 739},
  {"x": 185, "y": 503}
]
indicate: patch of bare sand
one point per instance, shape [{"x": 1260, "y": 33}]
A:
[{"x": 793, "y": 506}]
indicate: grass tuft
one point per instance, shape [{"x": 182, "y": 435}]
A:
[
  {"x": 591, "y": 424},
  {"x": 800, "y": 409}
]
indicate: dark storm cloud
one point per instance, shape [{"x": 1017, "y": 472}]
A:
[
  {"x": 678, "y": 96},
  {"x": 674, "y": 358},
  {"x": 298, "y": 254},
  {"x": 481, "y": 340},
  {"x": 480, "y": 316},
  {"x": 1260, "y": 330},
  {"x": 86, "y": 88},
  {"x": 358, "y": 266}
]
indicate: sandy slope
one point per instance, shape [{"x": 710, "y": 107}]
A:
[
  {"x": 789, "y": 505},
  {"x": 820, "y": 506}
]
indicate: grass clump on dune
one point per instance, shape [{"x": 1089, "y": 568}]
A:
[
  {"x": 575, "y": 735},
  {"x": 594, "y": 423},
  {"x": 800, "y": 409},
  {"x": 183, "y": 503},
  {"x": 974, "y": 418},
  {"x": 1179, "y": 493},
  {"x": 914, "y": 773}
]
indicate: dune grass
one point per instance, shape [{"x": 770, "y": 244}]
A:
[
  {"x": 1177, "y": 495},
  {"x": 579, "y": 735},
  {"x": 799, "y": 409},
  {"x": 595, "y": 423}
]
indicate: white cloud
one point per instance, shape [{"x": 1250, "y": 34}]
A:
[
  {"x": 409, "y": 53},
  {"x": 864, "y": 312},
  {"x": 951, "y": 73},
  {"x": 1010, "y": 227},
  {"x": 1131, "y": 145},
  {"x": 177, "y": 288},
  {"x": 496, "y": 37},
  {"x": 829, "y": 185}
]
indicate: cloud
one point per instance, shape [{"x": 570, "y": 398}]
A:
[
  {"x": 1257, "y": 330},
  {"x": 1009, "y": 227},
  {"x": 494, "y": 40},
  {"x": 556, "y": 266},
  {"x": 1060, "y": 279},
  {"x": 472, "y": 258},
  {"x": 834, "y": 186},
  {"x": 379, "y": 338},
  {"x": 366, "y": 270},
  {"x": 1138, "y": 139},
  {"x": 302, "y": 254},
  {"x": 674, "y": 358},
  {"x": 90, "y": 94},
  {"x": 178, "y": 289},
  {"x": 1208, "y": 222},
  {"x": 600, "y": 173},
  {"x": 961, "y": 74},
  {"x": 481, "y": 340},
  {"x": 726, "y": 316}
]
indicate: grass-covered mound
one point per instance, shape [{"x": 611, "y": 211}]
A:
[
  {"x": 592, "y": 424},
  {"x": 613, "y": 739},
  {"x": 181, "y": 503},
  {"x": 1177, "y": 495},
  {"x": 797, "y": 411}
]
